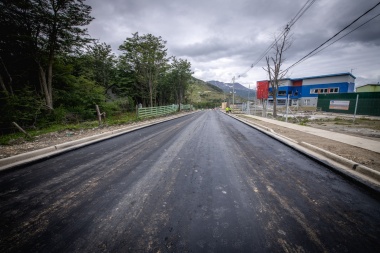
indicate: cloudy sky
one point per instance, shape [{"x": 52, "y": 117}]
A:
[{"x": 223, "y": 38}]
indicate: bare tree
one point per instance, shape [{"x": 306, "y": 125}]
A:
[{"x": 274, "y": 63}]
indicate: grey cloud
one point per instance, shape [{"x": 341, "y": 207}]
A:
[{"x": 238, "y": 30}]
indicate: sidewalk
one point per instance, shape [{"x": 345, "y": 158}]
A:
[{"x": 344, "y": 138}]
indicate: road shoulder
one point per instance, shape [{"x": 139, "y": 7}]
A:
[{"x": 361, "y": 164}]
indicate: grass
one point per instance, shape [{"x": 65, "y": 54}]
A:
[
  {"x": 303, "y": 121},
  {"x": 359, "y": 122},
  {"x": 111, "y": 121},
  {"x": 345, "y": 123}
]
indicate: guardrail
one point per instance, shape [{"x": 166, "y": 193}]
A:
[{"x": 149, "y": 112}]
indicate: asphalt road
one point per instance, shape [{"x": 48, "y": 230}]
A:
[{"x": 201, "y": 183}]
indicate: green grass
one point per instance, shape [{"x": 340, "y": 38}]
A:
[{"x": 114, "y": 120}]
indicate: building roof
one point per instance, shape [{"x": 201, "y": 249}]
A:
[
  {"x": 376, "y": 84},
  {"x": 330, "y": 75},
  {"x": 313, "y": 77}
]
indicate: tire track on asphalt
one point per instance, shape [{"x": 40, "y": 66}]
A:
[{"x": 36, "y": 222}]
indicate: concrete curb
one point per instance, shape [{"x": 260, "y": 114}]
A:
[
  {"x": 346, "y": 162},
  {"x": 351, "y": 164},
  {"x": 349, "y": 168},
  {"x": 25, "y": 158}
]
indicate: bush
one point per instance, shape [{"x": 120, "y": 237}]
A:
[{"x": 24, "y": 107}]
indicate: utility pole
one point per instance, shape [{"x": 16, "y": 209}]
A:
[
  {"x": 248, "y": 104},
  {"x": 233, "y": 92}
]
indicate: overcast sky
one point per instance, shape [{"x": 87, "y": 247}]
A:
[{"x": 223, "y": 38}]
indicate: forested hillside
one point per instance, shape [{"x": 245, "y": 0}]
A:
[
  {"x": 52, "y": 72},
  {"x": 204, "y": 95}
]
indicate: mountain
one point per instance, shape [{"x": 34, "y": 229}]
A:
[
  {"x": 240, "y": 90},
  {"x": 204, "y": 95}
]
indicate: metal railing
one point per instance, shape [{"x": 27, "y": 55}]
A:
[
  {"x": 149, "y": 112},
  {"x": 186, "y": 107}
]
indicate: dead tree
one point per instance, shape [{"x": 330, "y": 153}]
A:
[
  {"x": 100, "y": 115},
  {"x": 274, "y": 64}
]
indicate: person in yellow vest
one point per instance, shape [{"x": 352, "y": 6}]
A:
[{"x": 228, "y": 110}]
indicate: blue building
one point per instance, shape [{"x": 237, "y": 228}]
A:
[{"x": 304, "y": 91}]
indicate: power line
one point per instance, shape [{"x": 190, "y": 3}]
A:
[
  {"x": 298, "y": 15},
  {"x": 340, "y": 38},
  {"x": 309, "y": 54}
]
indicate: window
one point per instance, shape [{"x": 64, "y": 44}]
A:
[
  {"x": 324, "y": 91},
  {"x": 281, "y": 93},
  {"x": 333, "y": 90},
  {"x": 307, "y": 102}
]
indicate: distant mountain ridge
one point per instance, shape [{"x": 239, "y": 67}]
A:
[{"x": 240, "y": 90}]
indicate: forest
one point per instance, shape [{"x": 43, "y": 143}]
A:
[{"x": 53, "y": 72}]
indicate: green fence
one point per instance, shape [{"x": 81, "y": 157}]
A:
[
  {"x": 149, "y": 112},
  {"x": 186, "y": 107},
  {"x": 368, "y": 103}
]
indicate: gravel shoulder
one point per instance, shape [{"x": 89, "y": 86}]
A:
[{"x": 20, "y": 146}]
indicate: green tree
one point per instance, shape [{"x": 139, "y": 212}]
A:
[
  {"x": 61, "y": 22},
  {"x": 103, "y": 64},
  {"x": 43, "y": 29},
  {"x": 146, "y": 57},
  {"x": 181, "y": 71}
]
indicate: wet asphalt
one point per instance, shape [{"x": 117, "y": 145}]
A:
[{"x": 201, "y": 183}]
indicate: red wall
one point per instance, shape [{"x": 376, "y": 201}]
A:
[
  {"x": 262, "y": 89},
  {"x": 297, "y": 83}
]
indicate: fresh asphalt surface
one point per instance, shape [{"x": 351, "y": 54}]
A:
[{"x": 201, "y": 183}]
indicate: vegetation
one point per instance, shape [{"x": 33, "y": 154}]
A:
[
  {"x": 204, "y": 95},
  {"x": 52, "y": 73}
]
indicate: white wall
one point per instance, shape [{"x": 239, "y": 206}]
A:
[
  {"x": 284, "y": 83},
  {"x": 331, "y": 79},
  {"x": 312, "y": 101}
]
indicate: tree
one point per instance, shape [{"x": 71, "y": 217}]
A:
[
  {"x": 43, "y": 29},
  {"x": 281, "y": 44},
  {"x": 60, "y": 32},
  {"x": 145, "y": 56},
  {"x": 181, "y": 74},
  {"x": 103, "y": 64},
  {"x": 16, "y": 48}
]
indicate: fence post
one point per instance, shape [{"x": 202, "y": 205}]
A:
[
  {"x": 356, "y": 105},
  {"x": 99, "y": 115},
  {"x": 21, "y": 130},
  {"x": 287, "y": 107}
]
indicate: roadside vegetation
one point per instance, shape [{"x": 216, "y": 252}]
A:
[{"x": 52, "y": 74}]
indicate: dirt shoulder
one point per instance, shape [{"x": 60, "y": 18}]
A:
[
  {"x": 20, "y": 146},
  {"x": 359, "y": 155}
]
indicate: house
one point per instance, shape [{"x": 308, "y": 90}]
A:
[
  {"x": 304, "y": 91},
  {"x": 369, "y": 88}
]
